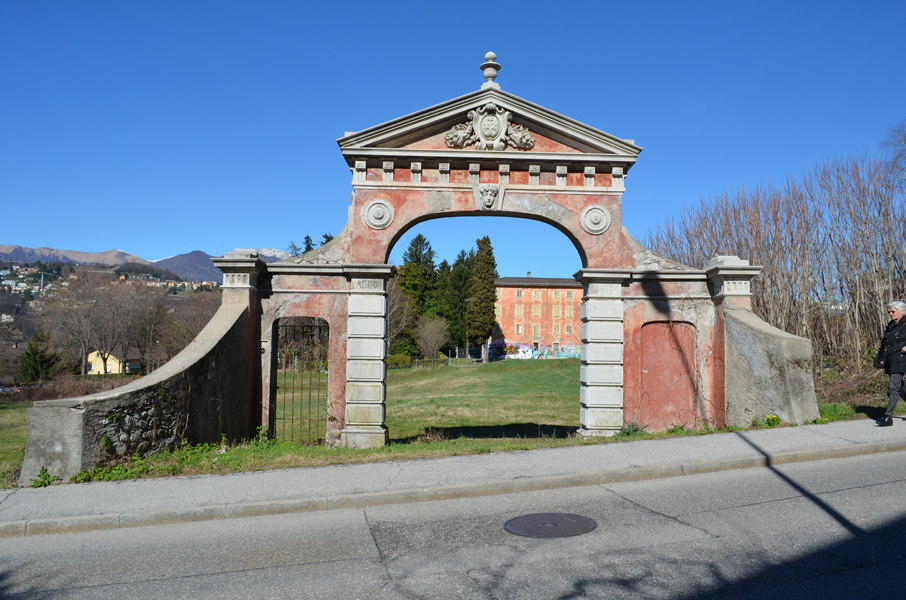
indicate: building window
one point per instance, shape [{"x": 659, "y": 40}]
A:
[
  {"x": 569, "y": 330},
  {"x": 519, "y": 293},
  {"x": 556, "y": 311},
  {"x": 499, "y": 293},
  {"x": 536, "y": 329},
  {"x": 497, "y": 311},
  {"x": 556, "y": 330},
  {"x": 536, "y": 294},
  {"x": 518, "y": 328},
  {"x": 536, "y": 311},
  {"x": 569, "y": 295},
  {"x": 569, "y": 311},
  {"x": 556, "y": 347},
  {"x": 518, "y": 310},
  {"x": 556, "y": 294}
]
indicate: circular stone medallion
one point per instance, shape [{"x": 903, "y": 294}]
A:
[
  {"x": 378, "y": 214},
  {"x": 550, "y": 525},
  {"x": 595, "y": 219}
]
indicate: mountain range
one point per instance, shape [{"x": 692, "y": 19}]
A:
[{"x": 191, "y": 266}]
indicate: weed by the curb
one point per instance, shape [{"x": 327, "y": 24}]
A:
[{"x": 44, "y": 479}]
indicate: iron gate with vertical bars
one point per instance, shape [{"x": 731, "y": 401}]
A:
[{"x": 302, "y": 392}]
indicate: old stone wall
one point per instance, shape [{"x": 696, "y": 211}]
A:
[
  {"x": 768, "y": 372},
  {"x": 200, "y": 395}
]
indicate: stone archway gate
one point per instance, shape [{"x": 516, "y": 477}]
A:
[
  {"x": 663, "y": 344},
  {"x": 492, "y": 153}
]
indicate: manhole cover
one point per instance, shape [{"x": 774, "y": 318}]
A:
[{"x": 550, "y": 525}]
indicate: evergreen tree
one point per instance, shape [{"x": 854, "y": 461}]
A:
[
  {"x": 480, "y": 317},
  {"x": 437, "y": 298},
  {"x": 456, "y": 292},
  {"x": 37, "y": 362},
  {"x": 326, "y": 238},
  {"x": 416, "y": 276},
  {"x": 309, "y": 244}
]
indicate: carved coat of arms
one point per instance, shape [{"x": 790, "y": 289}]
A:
[{"x": 490, "y": 128}]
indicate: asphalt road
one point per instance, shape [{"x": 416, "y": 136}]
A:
[{"x": 824, "y": 529}]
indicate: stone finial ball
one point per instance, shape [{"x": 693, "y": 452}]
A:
[{"x": 490, "y": 57}]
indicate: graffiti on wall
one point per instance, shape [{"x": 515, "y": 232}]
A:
[{"x": 523, "y": 351}]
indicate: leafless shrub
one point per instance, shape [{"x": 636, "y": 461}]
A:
[
  {"x": 400, "y": 311},
  {"x": 65, "y": 385},
  {"x": 830, "y": 241},
  {"x": 430, "y": 335}
]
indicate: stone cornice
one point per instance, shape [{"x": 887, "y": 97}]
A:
[
  {"x": 468, "y": 187},
  {"x": 484, "y": 156}
]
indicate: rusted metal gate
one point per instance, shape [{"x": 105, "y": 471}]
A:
[{"x": 302, "y": 397}]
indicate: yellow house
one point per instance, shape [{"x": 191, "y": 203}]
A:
[{"x": 96, "y": 365}]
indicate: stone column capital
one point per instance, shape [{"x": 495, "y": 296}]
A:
[
  {"x": 603, "y": 283},
  {"x": 241, "y": 268},
  {"x": 730, "y": 276}
]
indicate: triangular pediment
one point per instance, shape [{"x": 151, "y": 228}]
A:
[{"x": 547, "y": 131}]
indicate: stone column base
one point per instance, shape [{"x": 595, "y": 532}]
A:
[
  {"x": 367, "y": 436},
  {"x": 582, "y": 432}
]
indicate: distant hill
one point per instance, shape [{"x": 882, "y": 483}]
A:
[
  {"x": 192, "y": 266},
  {"x": 197, "y": 265},
  {"x": 25, "y": 255}
]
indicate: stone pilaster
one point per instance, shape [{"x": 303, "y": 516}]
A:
[
  {"x": 601, "y": 373},
  {"x": 243, "y": 270},
  {"x": 365, "y": 352}
]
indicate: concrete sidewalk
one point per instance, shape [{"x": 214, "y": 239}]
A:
[{"x": 104, "y": 505}]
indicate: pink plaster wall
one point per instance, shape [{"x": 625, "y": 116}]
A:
[
  {"x": 608, "y": 250},
  {"x": 333, "y": 308}
]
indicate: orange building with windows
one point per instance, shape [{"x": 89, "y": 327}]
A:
[{"x": 539, "y": 317}]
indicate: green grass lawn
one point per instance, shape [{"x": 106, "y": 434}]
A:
[
  {"x": 301, "y": 411},
  {"x": 13, "y": 433},
  {"x": 504, "y": 399}
]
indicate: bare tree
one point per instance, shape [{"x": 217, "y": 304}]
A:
[
  {"x": 118, "y": 311},
  {"x": 72, "y": 315},
  {"x": 400, "y": 311},
  {"x": 895, "y": 145},
  {"x": 190, "y": 315},
  {"x": 150, "y": 323},
  {"x": 830, "y": 243},
  {"x": 430, "y": 335}
]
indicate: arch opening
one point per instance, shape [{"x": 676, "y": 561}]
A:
[{"x": 520, "y": 232}]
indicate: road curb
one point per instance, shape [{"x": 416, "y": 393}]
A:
[{"x": 346, "y": 501}]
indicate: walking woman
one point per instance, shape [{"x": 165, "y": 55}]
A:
[{"x": 893, "y": 353}]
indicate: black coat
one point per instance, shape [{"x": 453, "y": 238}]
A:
[{"x": 891, "y": 345}]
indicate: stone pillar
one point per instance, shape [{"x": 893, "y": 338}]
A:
[
  {"x": 365, "y": 352},
  {"x": 730, "y": 281},
  {"x": 241, "y": 270},
  {"x": 601, "y": 373}
]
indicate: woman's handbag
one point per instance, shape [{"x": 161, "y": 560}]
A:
[{"x": 879, "y": 359}]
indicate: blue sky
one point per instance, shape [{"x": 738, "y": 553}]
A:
[{"x": 164, "y": 127}]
